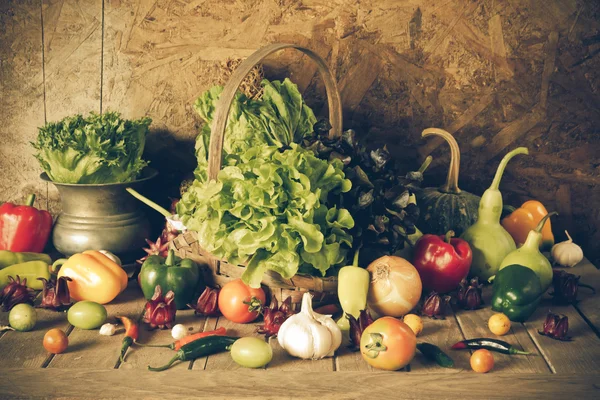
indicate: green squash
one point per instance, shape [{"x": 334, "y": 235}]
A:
[{"x": 447, "y": 208}]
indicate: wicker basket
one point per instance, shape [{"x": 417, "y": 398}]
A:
[{"x": 218, "y": 272}]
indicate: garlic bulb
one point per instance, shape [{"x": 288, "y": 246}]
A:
[
  {"x": 309, "y": 335},
  {"x": 110, "y": 255},
  {"x": 179, "y": 332},
  {"x": 567, "y": 253},
  {"x": 108, "y": 329}
]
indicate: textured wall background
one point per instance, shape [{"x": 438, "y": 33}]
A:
[{"x": 497, "y": 74}]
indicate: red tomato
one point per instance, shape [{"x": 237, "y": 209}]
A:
[
  {"x": 238, "y": 301},
  {"x": 55, "y": 341},
  {"x": 388, "y": 343}
]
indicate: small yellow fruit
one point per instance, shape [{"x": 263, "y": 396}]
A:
[
  {"x": 414, "y": 322},
  {"x": 499, "y": 324}
]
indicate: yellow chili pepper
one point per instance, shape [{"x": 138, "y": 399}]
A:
[
  {"x": 95, "y": 277},
  {"x": 525, "y": 219}
]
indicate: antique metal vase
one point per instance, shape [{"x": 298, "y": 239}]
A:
[{"x": 101, "y": 217}]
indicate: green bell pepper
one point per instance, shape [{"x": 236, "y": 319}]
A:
[
  {"x": 517, "y": 292},
  {"x": 183, "y": 277}
]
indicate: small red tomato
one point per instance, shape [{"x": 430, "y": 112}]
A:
[
  {"x": 388, "y": 343},
  {"x": 239, "y": 302},
  {"x": 55, "y": 341}
]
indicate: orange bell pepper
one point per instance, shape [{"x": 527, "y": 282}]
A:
[
  {"x": 525, "y": 219},
  {"x": 94, "y": 276}
]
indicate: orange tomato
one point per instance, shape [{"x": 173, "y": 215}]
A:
[
  {"x": 499, "y": 324},
  {"x": 238, "y": 301},
  {"x": 55, "y": 341},
  {"x": 388, "y": 344},
  {"x": 482, "y": 361}
]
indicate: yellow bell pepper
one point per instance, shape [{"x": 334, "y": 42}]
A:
[
  {"x": 525, "y": 219},
  {"x": 95, "y": 277}
]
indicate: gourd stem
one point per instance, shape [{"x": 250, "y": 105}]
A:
[
  {"x": 425, "y": 164},
  {"x": 500, "y": 171},
  {"x": 540, "y": 225},
  {"x": 30, "y": 200},
  {"x": 149, "y": 203},
  {"x": 451, "y": 185},
  {"x": 355, "y": 261},
  {"x": 449, "y": 235}
]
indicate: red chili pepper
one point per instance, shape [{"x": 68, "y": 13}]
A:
[
  {"x": 131, "y": 335},
  {"x": 442, "y": 262},
  {"x": 24, "y": 228}
]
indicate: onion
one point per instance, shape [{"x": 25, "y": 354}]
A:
[{"x": 395, "y": 286}]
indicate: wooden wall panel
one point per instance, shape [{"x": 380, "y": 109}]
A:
[{"x": 497, "y": 74}]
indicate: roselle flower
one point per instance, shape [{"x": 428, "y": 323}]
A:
[
  {"x": 207, "y": 303},
  {"x": 556, "y": 327},
  {"x": 15, "y": 292},
  {"x": 469, "y": 294},
  {"x": 435, "y": 305},
  {"x": 55, "y": 294},
  {"x": 566, "y": 286},
  {"x": 274, "y": 316},
  {"x": 160, "y": 310},
  {"x": 159, "y": 248},
  {"x": 357, "y": 327}
]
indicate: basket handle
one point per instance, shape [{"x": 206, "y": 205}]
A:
[{"x": 215, "y": 153}]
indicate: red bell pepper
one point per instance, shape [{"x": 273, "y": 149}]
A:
[
  {"x": 24, "y": 228},
  {"x": 442, "y": 261}
]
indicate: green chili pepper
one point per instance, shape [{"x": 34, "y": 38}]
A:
[
  {"x": 30, "y": 270},
  {"x": 8, "y": 258},
  {"x": 181, "y": 276},
  {"x": 199, "y": 348},
  {"x": 436, "y": 354},
  {"x": 489, "y": 344}
]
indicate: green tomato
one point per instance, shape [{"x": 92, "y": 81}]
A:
[
  {"x": 22, "y": 317},
  {"x": 87, "y": 315},
  {"x": 251, "y": 352}
]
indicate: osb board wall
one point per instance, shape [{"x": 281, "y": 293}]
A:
[{"x": 497, "y": 74}]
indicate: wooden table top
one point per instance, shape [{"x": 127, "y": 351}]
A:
[{"x": 90, "y": 367}]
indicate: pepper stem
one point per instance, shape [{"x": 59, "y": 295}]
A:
[
  {"x": 512, "y": 350},
  {"x": 176, "y": 357},
  {"x": 500, "y": 171},
  {"x": 425, "y": 164},
  {"x": 449, "y": 235},
  {"x": 56, "y": 264},
  {"x": 30, "y": 200},
  {"x": 355, "y": 261},
  {"x": 170, "y": 258},
  {"x": 451, "y": 185},
  {"x": 149, "y": 203},
  {"x": 540, "y": 225}
]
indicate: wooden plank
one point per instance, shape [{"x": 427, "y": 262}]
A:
[
  {"x": 442, "y": 333},
  {"x": 474, "y": 324},
  {"x": 503, "y": 70},
  {"x": 563, "y": 205},
  {"x": 89, "y": 348},
  {"x": 223, "y": 361},
  {"x": 21, "y": 100},
  {"x": 589, "y": 304},
  {"x": 347, "y": 359},
  {"x": 549, "y": 63},
  {"x": 579, "y": 356},
  {"x": 25, "y": 349},
  {"x": 98, "y": 383}
]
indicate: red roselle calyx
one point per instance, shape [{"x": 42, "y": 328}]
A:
[
  {"x": 207, "y": 304},
  {"x": 469, "y": 294},
  {"x": 274, "y": 316},
  {"x": 435, "y": 305},
  {"x": 55, "y": 294},
  {"x": 357, "y": 327},
  {"x": 160, "y": 310},
  {"x": 556, "y": 327},
  {"x": 159, "y": 248},
  {"x": 566, "y": 286},
  {"x": 15, "y": 292}
]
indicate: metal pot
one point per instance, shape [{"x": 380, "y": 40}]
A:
[{"x": 101, "y": 217}]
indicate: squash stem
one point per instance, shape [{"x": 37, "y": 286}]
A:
[
  {"x": 451, "y": 185},
  {"x": 500, "y": 171},
  {"x": 150, "y": 203},
  {"x": 541, "y": 224}
]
